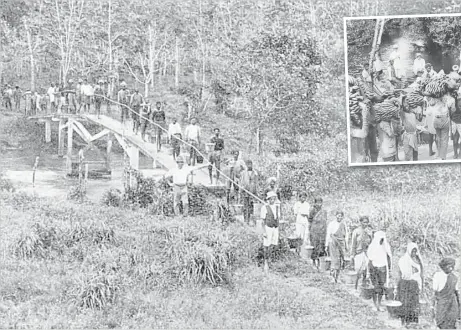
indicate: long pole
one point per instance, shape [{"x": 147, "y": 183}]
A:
[
  {"x": 373, "y": 52},
  {"x": 34, "y": 169}
]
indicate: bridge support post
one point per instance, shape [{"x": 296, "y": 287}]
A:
[
  {"x": 133, "y": 153},
  {"x": 61, "y": 138},
  {"x": 70, "y": 131},
  {"x": 48, "y": 131},
  {"x": 108, "y": 152}
]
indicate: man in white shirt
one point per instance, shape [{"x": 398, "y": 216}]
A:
[
  {"x": 175, "y": 136},
  {"x": 418, "y": 65},
  {"x": 395, "y": 56},
  {"x": 365, "y": 75},
  {"x": 270, "y": 216},
  {"x": 301, "y": 210},
  {"x": 192, "y": 135},
  {"x": 180, "y": 178},
  {"x": 87, "y": 94},
  {"x": 50, "y": 92}
]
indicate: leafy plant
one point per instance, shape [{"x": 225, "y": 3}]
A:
[
  {"x": 112, "y": 197},
  {"x": 96, "y": 291}
]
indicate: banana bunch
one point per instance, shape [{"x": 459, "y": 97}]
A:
[
  {"x": 437, "y": 86},
  {"x": 387, "y": 110},
  {"x": 355, "y": 110},
  {"x": 415, "y": 99}
]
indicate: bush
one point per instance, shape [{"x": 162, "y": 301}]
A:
[
  {"x": 112, "y": 197},
  {"x": 77, "y": 193},
  {"x": 96, "y": 291}
]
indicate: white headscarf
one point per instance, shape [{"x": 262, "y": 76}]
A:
[
  {"x": 406, "y": 265},
  {"x": 373, "y": 250}
]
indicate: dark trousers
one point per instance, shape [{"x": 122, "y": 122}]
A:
[
  {"x": 371, "y": 145},
  {"x": 193, "y": 152},
  {"x": 97, "y": 105},
  {"x": 248, "y": 206},
  {"x": 175, "y": 144}
]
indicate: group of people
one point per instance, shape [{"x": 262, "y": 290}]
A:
[
  {"x": 371, "y": 257},
  {"x": 396, "y": 121}
]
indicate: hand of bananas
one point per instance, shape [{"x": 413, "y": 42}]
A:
[
  {"x": 435, "y": 87},
  {"x": 355, "y": 111}
]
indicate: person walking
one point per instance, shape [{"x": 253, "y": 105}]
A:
[
  {"x": 17, "y": 94},
  {"x": 446, "y": 302},
  {"x": 98, "y": 97},
  {"x": 270, "y": 216},
  {"x": 175, "y": 137},
  {"x": 419, "y": 65},
  {"x": 135, "y": 103},
  {"x": 180, "y": 179},
  {"x": 158, "y": 117},
  {"x": 317, "y": 230},
  {"x": 301, "y": 210},
  {"x": 410, "y": 121},
  {"x": 192, "y": 135},
  {"x": 410, "y": 284},
  {"x": 52, "y": 97},
  {"x": 123, "y": 99},
  {"x": 361, "y": 239},
  {"x": 249, "y": 179},
  {"x": 380, "y": 264},
  {"x": 386, "y": 112},
  {"x": 336, "y": 244},
  {"x": 87, "y": 94},
  {"x": 215, "y": 155}
]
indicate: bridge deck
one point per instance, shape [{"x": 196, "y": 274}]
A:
[{"x": 149, "y": 149}]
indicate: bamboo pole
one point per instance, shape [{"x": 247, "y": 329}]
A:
[{"x": 373, "y": 52}]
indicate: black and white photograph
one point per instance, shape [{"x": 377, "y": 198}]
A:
[
  {"x": 201, "y": 164},
  {"x": 403, "y": 87}
]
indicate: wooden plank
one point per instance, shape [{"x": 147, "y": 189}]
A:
[
  {"x": 83, "y": 130},
  {"x": 104, "y": 132}
]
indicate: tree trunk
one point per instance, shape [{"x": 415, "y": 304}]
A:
[
  {"x": 203, "y": 73},
  {"x": 373, "y": 51},
  {"x": 32, "y": 60},
  {"x": 111, "y": 58},
  {"x": 176, "y": 72},
  {"x": 259, "y": 141}
]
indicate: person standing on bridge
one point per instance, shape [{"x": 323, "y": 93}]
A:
[
  {"x": 135, "y": 103},
  {"x": 87, "y": 94},
  {"x": 215, "y": 156},
  {"x": 17, "y": 94},
  {"x": 192, "y": 135},
  {"x": 98, "y": 96},
  {"x": 52, "y": 97},
  {"x": 122, "y": 99},
  {"x": 146, "y": 116},
  {"x": 158, "y": 117},
  {"x": 175, "y": 136}
]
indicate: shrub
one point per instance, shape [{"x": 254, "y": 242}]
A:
[
  {"x": 96, "y": 291},
  {"x": 77, "y": 193},
  {"x": 29, "y": 246},
  {"x": 112, "y": 197},
  {"x": 6, "y": 184}
]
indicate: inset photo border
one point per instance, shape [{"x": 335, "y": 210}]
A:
[{"x": 403, "y": 89}]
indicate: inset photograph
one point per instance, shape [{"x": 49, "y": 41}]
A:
[{"x": 403, "y": 89}]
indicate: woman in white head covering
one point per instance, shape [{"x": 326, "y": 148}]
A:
[
  {"x": 410, "y": 284},
  {"x": 380, "y": 256}
]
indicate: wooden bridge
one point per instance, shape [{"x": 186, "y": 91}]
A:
[{"x": 132, "y": 144}]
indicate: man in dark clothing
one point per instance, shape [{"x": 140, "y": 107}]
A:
[
  {"x": 249, "y": 182},
  {"x": 146, "y": 113},
  {"x": 7, "y": 96},
  {"x": 135, "y": 104},
  {"x": 98, "y": 96},
  {"x": 270, "y": 216},
  {"x": 17, "y": 94},
  {"x": 158, "y": 117},
  {"x": 215, "y": 157}
]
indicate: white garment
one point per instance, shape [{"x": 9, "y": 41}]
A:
[
  {"x": 418, "y": 65},
  {"x": 174, "y": 129},
  {"x": 332, "y": 228},
  {"x": 50, "y": 93},
  {"x": 179, "y": 175},
  {"x": 378, "y": 253},
  {"x": 272, "y": 236},
  {"x": 301, "y": 209},
  {"x": 274, "y": 209},
  {"x": 87, "y": 90},
  {"x": 409, "y": 269},
  {"x": 366, "y": 76},
  {"x": 399, "y": 71},
  {"x": 192, "y": 132},
  {"x": 439, "y": 281}
]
